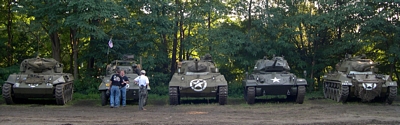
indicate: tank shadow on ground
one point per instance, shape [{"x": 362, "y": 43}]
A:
[
  {"x": 273, "y": 100},
  {"x": 198, "y": 101},
  {"x": 35, "y": 101}
]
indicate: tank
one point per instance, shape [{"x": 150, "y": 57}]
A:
[
  {"x": 127, "y": 63},
  {"x": 198, "y": 78},
  {"x": 39, "y": 78},
  {"x": 273, "y": 77},
  {"x": 356, "y": 77}
]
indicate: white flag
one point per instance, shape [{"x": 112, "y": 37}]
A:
[{"x": 110, "y": 44}]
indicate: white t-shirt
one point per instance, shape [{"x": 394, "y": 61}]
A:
[{"x": 142, "y": 80}]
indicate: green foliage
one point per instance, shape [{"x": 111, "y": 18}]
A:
[
  {"x": 87, "y": 85},
  {"x": 235, "y": 90}
]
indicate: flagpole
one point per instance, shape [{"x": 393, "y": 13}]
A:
[{"x": 108, "y": 51}]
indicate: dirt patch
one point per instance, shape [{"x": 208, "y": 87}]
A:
[{"x": 265, "y": 111}]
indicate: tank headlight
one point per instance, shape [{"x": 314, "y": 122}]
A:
[
  {"x": 17, "y": 77},
  {"x": 182, "y": 78},
  {"x": 216, "y": 69},
  {"x": 179, "y": 70},
  {"x": 257, "y": 78},
  {"x": 213, "y": 77},
  {"x": 50, "y": 78}
]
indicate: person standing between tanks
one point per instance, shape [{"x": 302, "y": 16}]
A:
[
  {"x": 125, "y": 80},
  {"x": 116, "y": 81},
  {"x": 143, "y": 82}
]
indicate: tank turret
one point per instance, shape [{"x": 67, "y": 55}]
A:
[
  {"x": 276, "y": 64},
  {"x": 41, "y": 65},
  {"x": 355, "y": 64}
]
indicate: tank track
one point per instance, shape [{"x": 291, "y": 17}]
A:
[
  {"x": 336, "y": 91},
  {"x": 392, "y": 94},
  {"x": 104, "y": 98},
  {"x": 63, "y": 93},
  {"x": 173, "y": 96},
  {"x": 7, "y": 93},
  {"x": 222, "y": 95},
  {"x": 251, "y": 95},
  {"x": 301, "y": 92}
]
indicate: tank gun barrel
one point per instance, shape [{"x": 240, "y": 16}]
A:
[
  {"x": 369, "y": 65},
  {"x": 196, "y": 62},
  {"x": 273, "y": 65}
]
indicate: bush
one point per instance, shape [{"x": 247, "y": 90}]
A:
[
  {"x": 235, "y": 89},
  {"x": 87, "y": 85}
]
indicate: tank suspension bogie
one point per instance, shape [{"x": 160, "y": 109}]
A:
[{"x": 336, "y": 91}]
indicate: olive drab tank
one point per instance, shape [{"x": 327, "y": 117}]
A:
[
  {"x": 357, "y": 77},
  {"x": 39, "y": 78},
  {"x": 132, "y": 70},
  {"x": 272, "y": 77},
  {"x": 198, "y": 78}
]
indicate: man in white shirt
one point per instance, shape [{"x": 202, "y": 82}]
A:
[{"x": 143, "y": 82}]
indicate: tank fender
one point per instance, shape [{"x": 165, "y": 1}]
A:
[
  {"x": 59, "y": 80},
  {"x": 391, "y": 83},
  {"x": 301, "y": 81},
  {"x": 250, "y": 83}
]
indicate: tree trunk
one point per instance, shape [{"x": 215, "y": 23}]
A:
[
  {"x": 91, "y": 60},
  {"x": 182, "y": 34},
  {"x": 249, "y": 13},
  {"x": 9, "y": 33},
  {"x": 56, "y": 46},
  {"x": 74, "y": 44},
  {"x": 175, "y": 42}
]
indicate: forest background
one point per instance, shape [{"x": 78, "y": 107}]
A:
[{"x": 313, "y": 35}]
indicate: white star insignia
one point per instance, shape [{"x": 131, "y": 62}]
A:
[{"x": 275, "y": 80}]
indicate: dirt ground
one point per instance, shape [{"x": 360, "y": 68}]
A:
[{"x": 313, "y": 111}]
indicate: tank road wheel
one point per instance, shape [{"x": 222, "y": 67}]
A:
[
  {"x": 222, "y": 95},
  {"x": 251, "y": 95},
  {"x": 173, "y": 96},
  {"x": 392, "y": 94},
  {"x": 325, "y": 90},
  {"x": 301, "y": 92},
  {"x": 60, "y": 94},
  {"x": 103, "y": 98},
  {"x": 7, "y": 93},
  {"x": 342, "y": 94}
]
